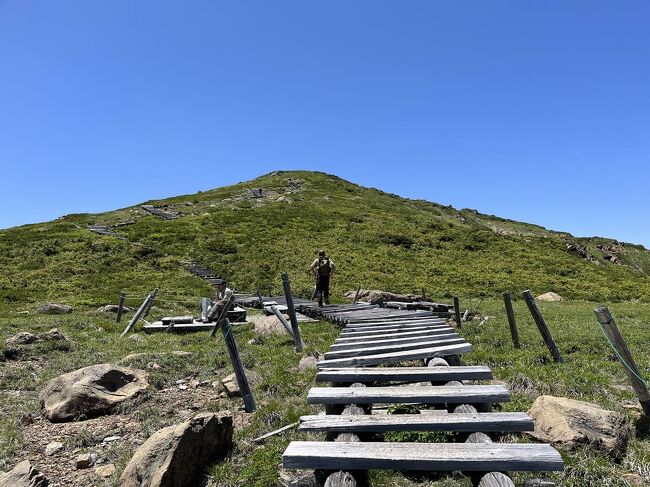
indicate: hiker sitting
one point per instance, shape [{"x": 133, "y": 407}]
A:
[
  {"x": 222, "y": 303},
  {"x": 323, "y": 268}
]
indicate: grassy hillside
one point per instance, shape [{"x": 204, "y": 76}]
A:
[{"x": 378, "y": 240}]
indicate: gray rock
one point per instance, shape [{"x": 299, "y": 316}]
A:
[
  {"x": 54, "y": 309},
  {"x": 85, "y": 460},
  {"x": 105, "y": 471},
  {"x": 176, "y": 456},
  {"x": 570, "y": 424},
  {"x": 22, "y": 338},
  {"x": 307, "y": 363},
  {"x": 112, "y": 308},
  {"x": 23, "y": 475},
  {"x": 53, "y": 448},
  {"x": 90, "y": 391}
]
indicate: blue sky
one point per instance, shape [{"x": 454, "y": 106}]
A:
[{"x": 537, "y": 111}]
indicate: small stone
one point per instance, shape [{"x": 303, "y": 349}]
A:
[
  {"x": 85, "y": 460},
  {"x": 180, "y": 381},
  {"x": 307, "y": 363},
  {"x": 110, "y": 439},
  {"x": 634, "y": 479},
  {"x": 180, "y": 353},
  {"x": 105, "y": 470},
  {"x": 53, "y": 448},
  {"x": 182, "y": 387},
  {"x": 153, "y": 366},
  {"x": 22, "y": 338},
  {"x": 216, "y": 384}
]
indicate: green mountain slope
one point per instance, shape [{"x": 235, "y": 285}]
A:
[{"x": 378, "y": 240}]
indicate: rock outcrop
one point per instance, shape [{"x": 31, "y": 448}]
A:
[
  {"x": 90, "y": 391},
  {"x": 23, "y": 475},
  {"x": 377, "y": 297},
  {"x": 549, "y": 296},
  {"x": 25, "y": 337},
  {"x": 176, "y": 456},
  {"x": 569, "y": 424},
  {"x": 54, "y": 309}
]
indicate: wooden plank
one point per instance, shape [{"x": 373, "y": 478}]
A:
[
  {"x": 363, "y": 350},
  {"x": 415, "y": 456},
  {"x": 409, "y": 394},
  {"x": 392, "y": 319},
  {"x": 485, "y": 422},
  {"x": 514, "y": 333},
  {"x": 404, "y": 374},
  {"x": 393, "y": 325},
  {"x": 396, "y": 357},
  {"x": 394, "y": 335},
  {"x": 392, "y": 341},
  {"x": 401, "y": 321},
  {"x": 382, "y": 329}
]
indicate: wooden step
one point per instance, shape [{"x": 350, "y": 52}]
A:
[
  {"x": 433, "y": 321},
  {"x": 396, "y": 357},
  {"x": 457, "y": 422},
  {"x": 469, "y": 394},
  {"x": 398, "y": 334},
  {"x": 395, "y": 320},
  {"x": 391, "y": 341},
  {"x": 488, "y": 457},
  {"x": 433, "y": 326},
  {"x": 393, "y": 329},
  {"x": 363, "y": 350},
  {"x": 404, "y": 374}
]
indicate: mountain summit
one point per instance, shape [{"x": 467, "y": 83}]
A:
[{"x": 253, "y": 231}]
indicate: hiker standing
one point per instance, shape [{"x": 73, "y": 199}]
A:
[
  {"x": 323, "y": 268},
  {"x": 223, "y": 300}
]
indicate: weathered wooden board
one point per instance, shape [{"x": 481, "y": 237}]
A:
[
  {"x": 363, "y": 350},
  {"x": 436, "y": 326},
  {"x": 413, "y": 456},
  {"x": 484, "y": 422},
  {"x": 394, "y": 335},
  {"x": 361, "y": 334},
  {"x": 392, "y": 341},
  {"x": 396, "y": 357},
  {"x": 470, "y": 394},
  {"x": 404, "y": 374},
  {"x": 401, "y": 322}
]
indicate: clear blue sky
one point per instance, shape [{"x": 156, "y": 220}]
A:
[{"x": 537, "y": 111}]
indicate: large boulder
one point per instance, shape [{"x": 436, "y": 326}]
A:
[
  {"x": 23, "y": 475},
  {"x": 177, "y": 455},
  {"x": 549, "y": 296},
  {"x": 54, "y": 309},
  {"x": 91, "y": 391},
  {"x": 569, "y": 424},
  {"x": 378, "y": 297}
]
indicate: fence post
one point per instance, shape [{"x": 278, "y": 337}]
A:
[
  {"x": 153, "y": 296},
  {"x": 120, "y": 308},
  {"x": 286, "y": 284},
  {"x": 240, "y": 372},
  {"x": 356, "y": 295},
  {"x": 624, "y": 355},
  {"x": 205, "y": 307},
  {"x": 511, "y": 319},
  {"x": 136, "y": 316},
  {"x": 541, "y": 324},
  {"x": 457, "y": 310}
]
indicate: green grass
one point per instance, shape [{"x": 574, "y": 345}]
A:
[{"x": 378, "y": 241}]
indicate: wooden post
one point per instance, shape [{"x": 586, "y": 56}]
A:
[
  {"x": 153, "y": 296},
  {"x": 137, "y": 314},
  {"x": 624, "y": 355},
  {"x": 457, "y": 311},
  {"x": 205, "y": 307},
  {"x": 286, "y": 284},
  {"x": 240, "y": 372},
  {"x": 356, "y": 295},
  {"x": 511, "y": 319},
  {"x": 222, "y": 316},
  {"x": 120, "y": 308},
  {"x": 282, "y": 319},
  {"x": 541, "y": 325}
]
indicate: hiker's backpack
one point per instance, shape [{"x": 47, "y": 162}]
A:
[{"x": 324, "y": 267}]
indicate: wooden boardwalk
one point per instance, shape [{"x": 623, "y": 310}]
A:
[{"x": 371, "y": 366}]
